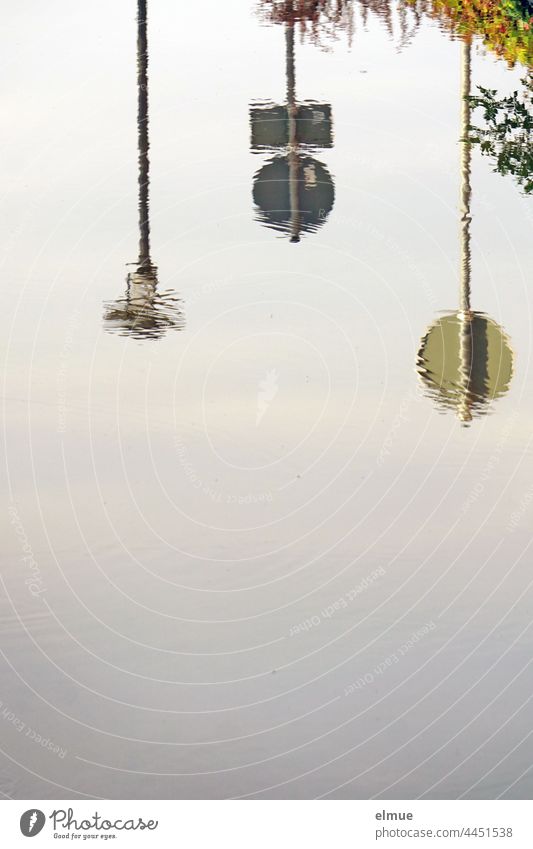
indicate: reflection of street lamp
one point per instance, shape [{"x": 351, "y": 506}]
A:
[
  {"x": 293, "y": 193},
  {"x": 143, "y": 312},
  {"x": 465, "y": 359}
]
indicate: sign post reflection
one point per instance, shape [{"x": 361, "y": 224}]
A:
[{"x": 293, "y": 192}]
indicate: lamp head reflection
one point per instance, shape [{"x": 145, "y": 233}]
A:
[
  {"x": 144, "y": 313},
  {"x": 465, "y": 362}
]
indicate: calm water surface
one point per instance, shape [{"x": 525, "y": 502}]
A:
[{"x": 268, "y": 410}]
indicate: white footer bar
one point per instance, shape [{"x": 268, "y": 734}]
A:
[{"x": 268, "y": 824}]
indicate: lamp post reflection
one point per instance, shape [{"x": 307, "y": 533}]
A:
[
  {"x": 465, "y": 360},
  {"x": 293, "y": 192},
  {"x": 143, "y": 313}
]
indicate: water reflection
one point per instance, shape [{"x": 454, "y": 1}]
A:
[
  {"x": 504, "y": 28},
  {"x": 143, "y": 312},
  {"x": 293, "y": 192},
  {"x": 314, "y": 17},
  {"x": 465, "y": 359},
  {"x": 320, "y": 21}
]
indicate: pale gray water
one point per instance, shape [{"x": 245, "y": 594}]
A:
[{"x": 185, "y": 502}]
